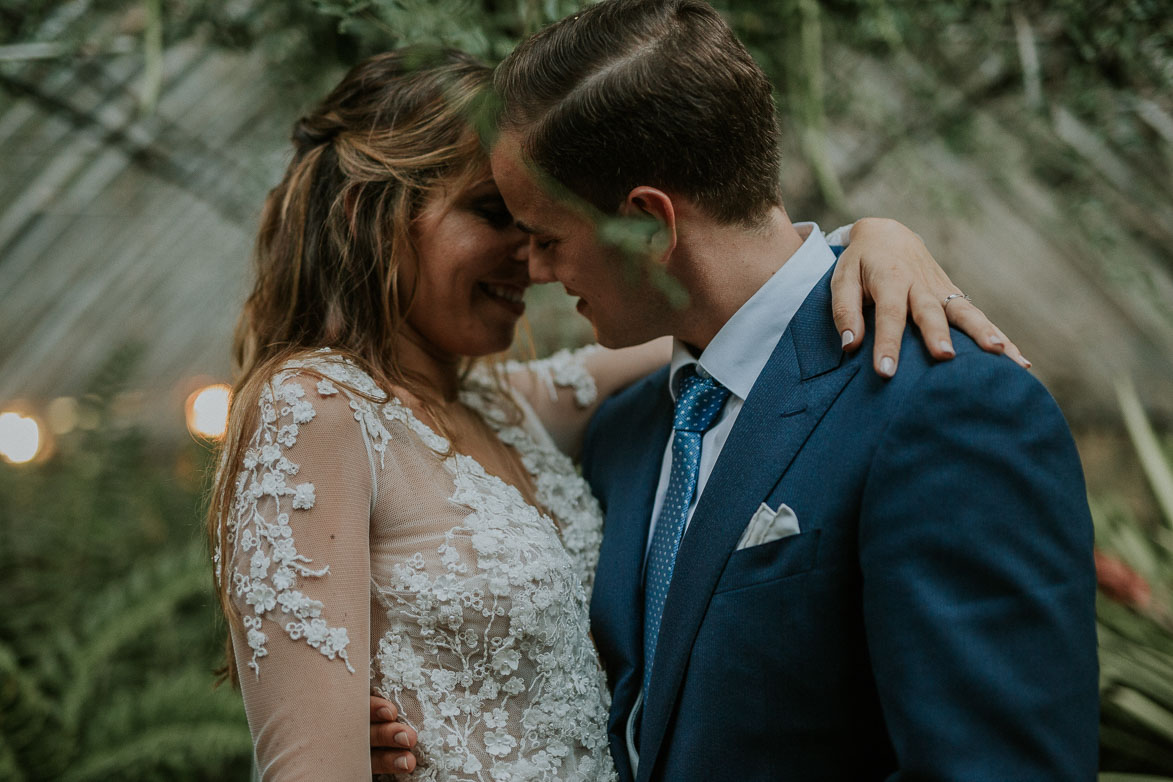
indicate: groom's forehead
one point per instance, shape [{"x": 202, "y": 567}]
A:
[
  {"x": 540, "y": 203},
  {"x": 509, "y": 168}
]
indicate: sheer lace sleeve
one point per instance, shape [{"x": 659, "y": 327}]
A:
[
  {"x": 565, "y": 389},
  {"x": 299, "y": 553},
  {"x": 563, "y": 374}
]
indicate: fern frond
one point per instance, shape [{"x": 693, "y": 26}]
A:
[
  {"x": 148, "y": 597},
  {"x": 9, "y": 768},
  {"x": 179, "y": 749},
  {"x": 24, "y": 708},
  {"x": 184, "y": 698},
  {"x": 16, "y": 684}
]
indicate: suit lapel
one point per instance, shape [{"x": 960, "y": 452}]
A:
[
  {"x": 790, "y": 397},
  {"x": 617, "y": 599}
]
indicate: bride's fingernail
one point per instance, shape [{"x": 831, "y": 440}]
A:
[
  {"x": 946, "y": 347},
  {"x": 995, "y": 340},
  {"x": 402, "y": 739},
  {"x": 401, "y": 764},
  {"x": 385, "y": 714},
  {"x": 848, "y": 337},
  {"x": 887, "y": 366}
]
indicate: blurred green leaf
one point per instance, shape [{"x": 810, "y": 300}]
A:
[
  {"x": 1152, "y": 458},
  {"x": 1136, "y": 641}
]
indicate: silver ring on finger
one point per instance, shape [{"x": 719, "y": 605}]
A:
[{"x": 951, "y": 297}]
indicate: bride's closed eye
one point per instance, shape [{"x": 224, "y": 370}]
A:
[{"x": 493, "y": 211}]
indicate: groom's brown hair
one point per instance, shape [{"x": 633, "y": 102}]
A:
[{"x": 646, "y": 92}]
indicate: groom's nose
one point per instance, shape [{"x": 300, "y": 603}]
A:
[{"x": 540, "y": 269}]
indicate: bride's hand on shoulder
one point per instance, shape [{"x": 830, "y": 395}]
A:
[
  {"x": 886, "y": 263},
  {"x": 391, "y": 740}
]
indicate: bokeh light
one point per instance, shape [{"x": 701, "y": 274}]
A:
[
  {"x": 20, "y": 438},
  {"x": 207, "y": 411},
  {"x": 61, "y": 415}
]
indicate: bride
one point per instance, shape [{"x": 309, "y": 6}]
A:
[{"x": 391, "y": 517}]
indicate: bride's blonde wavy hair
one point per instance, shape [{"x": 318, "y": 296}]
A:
[{"x": 335, "y": 233}]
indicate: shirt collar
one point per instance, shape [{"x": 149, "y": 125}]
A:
[{"x": 740, "y": 350}]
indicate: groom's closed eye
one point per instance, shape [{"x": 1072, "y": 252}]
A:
[{"x": 541, "y": 239}]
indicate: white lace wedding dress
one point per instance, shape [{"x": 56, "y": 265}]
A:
[{"x": 368, "y": 558}]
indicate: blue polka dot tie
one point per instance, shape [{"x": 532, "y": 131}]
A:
[{"x": 698, "y": 404}]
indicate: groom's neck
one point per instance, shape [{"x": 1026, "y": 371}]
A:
[{"x": 723, "y": 265}]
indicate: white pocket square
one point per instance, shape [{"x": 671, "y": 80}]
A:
[{"x": 768, "y": 525}]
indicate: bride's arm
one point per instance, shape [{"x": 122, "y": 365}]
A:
[
  {"x": 888, "y": 265},
  {"x": 300, "y": 560},
  {"x": 566, "y": 389},
  {"x": 883, "y": 262}
]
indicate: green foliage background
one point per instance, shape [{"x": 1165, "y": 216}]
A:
[{"x": 109, "y": 634}]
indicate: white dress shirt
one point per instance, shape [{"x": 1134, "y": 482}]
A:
[
  {"x": 735, "y": 357},
  {"x": 740, "y": 350}
]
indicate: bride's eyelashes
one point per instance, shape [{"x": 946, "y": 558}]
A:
[{"x": 493, "y": 212}]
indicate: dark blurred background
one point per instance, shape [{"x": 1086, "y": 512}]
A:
[{"x": 1030, "y": 143}]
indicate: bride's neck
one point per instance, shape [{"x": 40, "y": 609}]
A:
[{"x": 439, "y": 372}]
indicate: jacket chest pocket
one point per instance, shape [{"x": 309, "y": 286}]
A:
[{"x": 773, "y": 561}]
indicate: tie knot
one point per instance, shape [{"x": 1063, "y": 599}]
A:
[{"x": 699, "y": 402}]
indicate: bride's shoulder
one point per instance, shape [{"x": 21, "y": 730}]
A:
[
  {"x": 329, "y": 367},
  {"x": 323, "y": 396}
]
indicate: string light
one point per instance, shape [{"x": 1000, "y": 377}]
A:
[
  {"x": 207, "y": 411},
  {"x": 20, "y": 438}
]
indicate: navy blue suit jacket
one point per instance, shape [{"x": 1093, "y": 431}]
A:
[{"x": 934, "y": 619}]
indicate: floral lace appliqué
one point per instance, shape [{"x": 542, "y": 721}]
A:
[
  {"x": 259, "y": 531},
  {"x": 565, "y": 368},
  {"x": 488, "y": 633},
  {"x": 521, "y": 690}
]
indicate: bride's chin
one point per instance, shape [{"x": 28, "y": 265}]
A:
[{"x": 489, "y": 342}]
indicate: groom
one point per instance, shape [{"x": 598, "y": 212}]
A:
[{"x": 808, "y": 572}]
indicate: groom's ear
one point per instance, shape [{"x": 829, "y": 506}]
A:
[{"x": 655, "y": 206}]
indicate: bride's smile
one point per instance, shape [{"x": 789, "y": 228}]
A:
[{"x": 466, "y": 296}]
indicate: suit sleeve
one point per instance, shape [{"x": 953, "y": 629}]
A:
[{"x": 979, "y": 584}]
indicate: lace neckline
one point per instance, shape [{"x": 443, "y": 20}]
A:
[
  {"x": 561, "y": 504},
  {"x": 480, "y": 400}
]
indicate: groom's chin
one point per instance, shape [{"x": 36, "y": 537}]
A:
[
  {"x": 607, "y": 337},
  {"x": 613, "y": 341},
  {"x": 624, "y": 331}
]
